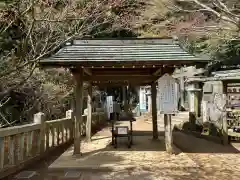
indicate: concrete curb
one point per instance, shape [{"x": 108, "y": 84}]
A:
[
  {"x": 109, "y": 168},
  {"x": 201, "y": 136}
]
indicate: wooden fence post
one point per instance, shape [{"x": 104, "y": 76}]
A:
[
  {"x": 225, "y": 140},
  {"x": 39, "y": 118},
  {"x": 154, "y": 110},
  {"x": 69, "y": 115},
  {"x": 78, "y": 119},
  {"x": 89, "y": 115},
  {"x": 168, "y": 133}
]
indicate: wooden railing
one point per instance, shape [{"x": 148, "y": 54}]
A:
[{"x": 21, "y": 145}]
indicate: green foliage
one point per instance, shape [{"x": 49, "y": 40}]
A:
[
  {"x": 228, "y": 56},
  {"x": 230, "y": 50},
  {"x": 31, "y": 31}
]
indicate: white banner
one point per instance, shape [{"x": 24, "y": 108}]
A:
[
  {"x": 109, "y": 105},
  {"x": 142, "y": 99}
]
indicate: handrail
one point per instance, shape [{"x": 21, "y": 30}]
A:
[
  {"x": 18, "y": 129},
  {"x": 21, "y": 145},
  {"x": 56, "y": 121}
]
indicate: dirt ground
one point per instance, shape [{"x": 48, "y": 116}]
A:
[{"x": 215, "y": 161}]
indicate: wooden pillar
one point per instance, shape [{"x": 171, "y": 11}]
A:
[
  {"x": 168, "y": 133},
  {"x": 78, "y": 110},
  {"x": 182, "y": 98},
  {"x": 224, "y": 115},
  {"x": 89, "y": 115},
  {"x": 154, "y": 110},
  {"x": 124, "y": 91}
]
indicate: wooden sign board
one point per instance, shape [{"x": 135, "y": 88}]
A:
[
  {"x": 122, "y": 130},
  {"x": 168, "y": 98}
]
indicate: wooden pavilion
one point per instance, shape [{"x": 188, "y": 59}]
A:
[{"x": 122, "y": 62}]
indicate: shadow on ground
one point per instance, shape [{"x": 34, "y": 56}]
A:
[
  {"x": 146, "y": 159},
  {"x": 192, "y": 144},
  {"x": 190, "y": 173}
]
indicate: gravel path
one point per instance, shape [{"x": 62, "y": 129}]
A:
[{"x": 215, "y": 161}]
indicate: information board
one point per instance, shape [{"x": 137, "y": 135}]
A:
[
  {"x": 122, "y": 130},
  {"x": 109, "y": 105},
  {"x": 168, "y": 96}
]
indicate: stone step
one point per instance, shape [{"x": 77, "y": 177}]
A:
[
  {"x": 173, "y": 121},
  {"x": 180, "y": 114},
  {"x": 146, "y": 133},
  {"x": 181, "y": 118},
  {"x": 176, "y": 118}
]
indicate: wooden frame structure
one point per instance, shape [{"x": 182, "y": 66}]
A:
[
  {"x": 129, "y": 133},
  {"x": 119, "y": 62}
]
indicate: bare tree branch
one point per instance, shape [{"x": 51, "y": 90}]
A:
[
  {"x": 205, "y": 7},
  {"x": 6, "y": 92},
  {"x": 3, "y": 103},
  {"x": 225, "y": 9},
  {"x": 12, "y": 21},
  {"x": 5, "y": 120},
  {"x": 46, "y": 32}
]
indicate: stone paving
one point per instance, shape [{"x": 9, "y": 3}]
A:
[{"x": 147, "y": 159}]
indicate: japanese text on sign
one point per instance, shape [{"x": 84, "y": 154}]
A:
[{"x": 168, "y": 96}]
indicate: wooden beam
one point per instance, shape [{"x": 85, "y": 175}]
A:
[
  {"x": 162, "y": 70},
  {"x": 118, "y": 84},
  {"x": 123, "y": 74},
  {"x": 154, "y": 110},
  {"x": 157, "y": 72},
  {"x": 109, "y": 64},
  {"x": 78, "y": 75},
  {"x": 168, "y": 69},
  {"x": 124, "y": 91},
  {"x": 122, "y": 71},
  {"x": 87, "y": 71},
  {"x": 120, "y": 78},
  {"x": 89, "y": 115}
]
